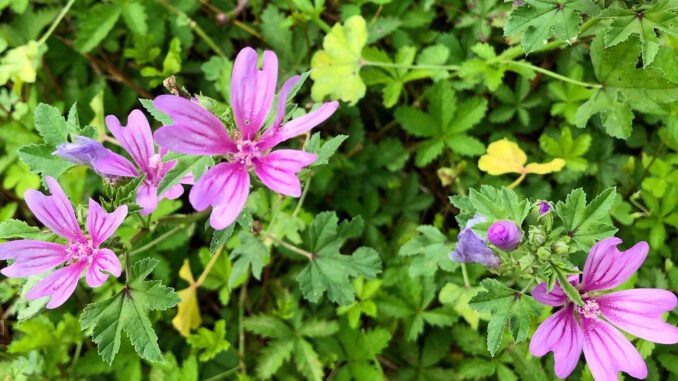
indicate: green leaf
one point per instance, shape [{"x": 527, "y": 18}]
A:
[
  {"x": 209, "y": 343},
  {"x": 19, "y": 229},
  {"x": 507, "y": 307},
  {"x": 95, "y": 26},
  {"x": 134, "y": 14},
  {"x": 336, "y": 68},
  {"x": 327, "y": 149},
  {"x": 571, "y": 292},
  {"x": 429, "y": 251},
  {"x": 51, "y": 125},
  {"x": 39, "y": 159},
  {"x": 307, "y": 360},
  {"x": 250, "y": 253},
  {"x": 21, "y": 63},
  {"x": 186, "y": 164},
  {"x": 540, "y": 20},
  {"x": 644, "y": 21},
  {"x": 128, "y": 311},
  {"x": 625, "y": 87},
  {"x": 330, "y": 271},
  {"x": 272, "y": 357},
  {"x": 157, "y": 114},
  {"x": 587, "y": 222}
]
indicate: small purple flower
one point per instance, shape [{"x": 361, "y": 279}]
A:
[
  {"x": 591, "y": 328},
  {"x": 473, "y": 248},
  {"x": 505, "y": 235},
  {"x": 137, "y": 140},
  {"x": 80, "y": 253},
  {"x": 196, "y": 131},
  {"x": 544, "y": 207},
  {"x": 89, "y": 152}
]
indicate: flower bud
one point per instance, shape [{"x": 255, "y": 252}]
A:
[
  {"x": 471, "y": 247},
  {"x": 82, "y": 151},
  {"x": 544, "y": 207},
  {"x": 505, "y": 235},
  {"x": 561, "y": 247},
  {"x": 537, "y": 236}
]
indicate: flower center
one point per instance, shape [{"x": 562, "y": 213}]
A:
[
  {"x": 79, "y": 251},
  {"x": 590, "y": 309},
  {"x": 154, "y": 168},
  {"x": 247, "y": 151}
]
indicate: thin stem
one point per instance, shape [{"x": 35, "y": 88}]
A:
[
  {"x": 126, "y": 267},
  {"x": 208, "y": 268},
  {"x": 303, "y": 196},
  {"x": 241, "y": 328},
  {"x": 518, "y": 181},
  {"x": 464, "y": 273},
  {"x": 56, "y": 22},
  {"x": 222, "y": 375},
  {"x": 403, "y": 66},
  {"x": 322, "y": 24},
  {"x": 194, "y": 25},
  {"x": 292, "y": 248},
  {"x": 554, "y": 74},
  {"x": 527, "y": 287},
  {"x": 157, "y": 240}
]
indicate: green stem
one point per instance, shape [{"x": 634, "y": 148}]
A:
[
  {"x": 464, "y": 273},
  {"x": 303, "y": 196},
  {"x": 554, "y": 74},
  {"x": 56, "y": 22},
  {"x": 194, "y": 25},
  {"x": 222, "y": 375},
  {"x": 404, "y": 66},
  {"x": 290, "y": 247},
  {"x": 126, "y": 267},
  {"x": 157, "y": 240},
  {"x": 527, "y": 287},
  {"x": 322, "y": 24},
  {"x": 208, "y": 268}
]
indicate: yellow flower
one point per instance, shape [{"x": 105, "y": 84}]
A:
[{"x": 504, "y": 156}]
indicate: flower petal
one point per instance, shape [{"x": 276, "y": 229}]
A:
[
  {"x": 100, "y": 224},
  {"x": 557, "y": 296},
  {"x": 174, "y": 192},
  {"x": 608, "y": 352},
  {"x": 59, "y": 285},
  {"x": 55, "y": 211},
  {"x": 606, "y": 267},
  {"x": 195, "y": 130},
  {"x": 112, "y": 164},
  {"x": 278, "y": 170},
  {"x": 226, "y": 188},
  {"x": 252, "y": 90},
  {"x": 639, "y": 312},
  {"x": 282, "y": 99},
  {"x": 503, "y": 156},
  {"x": 136, "y": 138},
  {"x": 297, "y": 126},
  {"x": 147, "y": 199},
  {"x": 31, "y": 257},
  {"x": 103, "y": 260},
  {"x": 560, "y": 334}
]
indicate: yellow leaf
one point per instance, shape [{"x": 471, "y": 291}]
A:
[
  {"x": 554, "y": 165},
  {"x": 503, "y": 156},
  {"x": 188, "y": 314}
]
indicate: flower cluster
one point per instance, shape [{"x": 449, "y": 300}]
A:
[{"x": 194, "y": 131}]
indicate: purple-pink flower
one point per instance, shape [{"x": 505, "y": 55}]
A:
[
  {"x": 195, "y": 131},
  {"x": 137, "y": 140},
  {"x": 544, "y": 207},
  {"x": 472, "y": 248},
  {"x": 504, "y": 234},
  {"x": 591, "y": 328},
  {"x": 80, "y": 253}
]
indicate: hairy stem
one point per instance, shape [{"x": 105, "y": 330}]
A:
[
  {"x": 157, "y": 240},
  {"x": 56, "y": 22}
]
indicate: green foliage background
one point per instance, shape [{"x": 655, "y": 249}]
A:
[{"x": 425, "y": 87}]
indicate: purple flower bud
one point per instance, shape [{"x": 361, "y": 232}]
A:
[
  {"x": 544, "y": 207},
  {"x": 82, "y": 151},
  {"x": 89, "y": 152},
  {"x": 518, "y": 3},
  {"x": 505, "y": 235},
  {"x": 473, "y": 248}
]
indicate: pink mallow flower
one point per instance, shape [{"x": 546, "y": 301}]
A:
[
  {"x": 137, "y": 140},
  {"x": 196, "y": 131},
  {"x": 591, "y": 328},
  {"x": 80, "y": 253}
]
